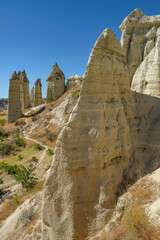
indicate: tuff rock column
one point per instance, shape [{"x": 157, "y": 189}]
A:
[
  {"x": 14, "y": 110},
  {"x": 25, "y": 84},
  {"x": 32, "y": 97},
  {"x": 38, "y": 92},
  {"x": 55, "y": 83}
]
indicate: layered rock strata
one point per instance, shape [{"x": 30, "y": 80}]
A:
[
  {"x": 88, "y": 164},
  {"x": 38, "y": 93},
  {"x": 25, "y": 86},
  {"x": 110, "y": 140},
  {"x": 139, "y": 37},
  {"x": 73, "y": 80},
  {"x": 14, "y": 110},
  {"x": 55, "y": 83}
]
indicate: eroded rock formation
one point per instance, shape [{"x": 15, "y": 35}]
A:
[
  {"x": 109, "y": 141},
  {"x": 139, "y": 37},
  {"x": 14, "y": 110},
  {"x": 32, "y": 97},
  {"x": 55, "y": 83},
  {"x": 73, "y": 80},
  {"x": 25, "y": 100},
  {"x": 38, "y": 92}
]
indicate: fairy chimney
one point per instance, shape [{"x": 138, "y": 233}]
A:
[
  {"x": 14, "y": 110},
  {"x": 32, "y": 97},
  {"x": 38, "y": 92},
  {"x": 55, "y": 83}
]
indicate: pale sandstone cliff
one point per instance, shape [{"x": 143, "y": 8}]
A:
[
  {"x": 138, "y": 37},
  {"x": 109, "y": 141}
]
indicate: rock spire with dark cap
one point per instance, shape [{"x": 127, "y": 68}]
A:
[{"x": 55, "y": 83}]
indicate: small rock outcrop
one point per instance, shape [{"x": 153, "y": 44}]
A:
[
  {"x": 55, "y": 83},
  {"x": 73, "y": 80},
  {"x": 38, "y": 93},
  {"x": 14, "y": 110},
  {"x": 32, "y": 97}
]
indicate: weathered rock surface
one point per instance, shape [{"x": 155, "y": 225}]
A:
[
  {"x": 73, "y": 80},
  {"x": 24, "y": 90},
  {"x": 109, "y": 141},
  {"x": 25, "y": 222},
  {"x": 32, "y": 97},
  {"x": 55, "y": 83},
  {"x": 147, "y": 77},
  {"x": 14, "y": 110},
  {"x": 78, "y": 188},
  {"x": 38, "y": 93},
  {"x": 139, "y": 36}
]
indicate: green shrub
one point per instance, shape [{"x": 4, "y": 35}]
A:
[
  {"x": 20, "y": 142},
  {"x": 49, "y": 151},
  {"x": 75, "y": 93},
  {"x": 21, "y": 174},
  {"x": 34, "y": 158},
  {"x": 50, "y": 136},
  {"x": 16, "y": 133},
  {"x": 50, "y": 99},
  {"x": 1, "y": 192},
  {"x": 20, "y": 157},
  {"x": 3, "y": 133},
  {"x": 2, "y": 122},
  {"x": 38, "y": 147},
  {"x": 6, "y": 148}
]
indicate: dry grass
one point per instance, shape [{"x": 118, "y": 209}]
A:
[
  {"x": 10, "y": 205},
  {"x": 135, "y": 225},
  {"x": 143, "y": 192}
]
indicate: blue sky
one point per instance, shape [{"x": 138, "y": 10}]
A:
[{"x": 34, "y": 34}]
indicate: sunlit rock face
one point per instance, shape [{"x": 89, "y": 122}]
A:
[
  {"x": 110, "y": 140},
  {"x": 14, "y": 110},
  {"x": 24, "y": 90},
  {"x": 38, "y": 92},
  {"x": 92, "y": 150},
  {"x": 139, "y": 36},
  {"x": 73, "y": 80},
  {"x": 32, "y": 97},
  {"x": 55, "y": 83}
]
